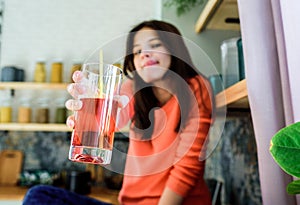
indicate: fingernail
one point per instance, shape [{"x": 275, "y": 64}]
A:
[
  {"x": 70, "y": 123},
  {"x": 76, "y": 75},
  {"x": 70, "y": 88},
  {"x": 77, "y": 105}
]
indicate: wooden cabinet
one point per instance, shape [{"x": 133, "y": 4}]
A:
[{"x": 219, "y": 14}]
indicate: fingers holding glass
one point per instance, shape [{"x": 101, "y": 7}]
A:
[
  {"x": 76, "y": 89},
  {"x": 77, "y": 76},
  {"x": 73, "y": 104},
  {"x": 71, "y": 121}
]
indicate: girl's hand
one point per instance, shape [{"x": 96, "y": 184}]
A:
[{"x": 76, "y": 89}]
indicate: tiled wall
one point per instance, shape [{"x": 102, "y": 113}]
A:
[
  {"x": 48, "y": 151},
  {"x": 42, "y": 150},
  {"x": 234, "y": 163}
]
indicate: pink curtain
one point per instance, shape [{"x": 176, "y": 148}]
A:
[{"x": 270, "y": 32}]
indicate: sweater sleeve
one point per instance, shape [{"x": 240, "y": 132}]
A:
[{"x": 188, "y": 168}]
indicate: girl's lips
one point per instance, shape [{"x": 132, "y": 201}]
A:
[{"x": 150, "y": 62}]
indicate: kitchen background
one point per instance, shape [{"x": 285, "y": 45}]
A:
[{"x": 69, "y": 31}]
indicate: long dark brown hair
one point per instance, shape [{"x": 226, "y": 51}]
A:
[{"x": 181, "y": 64}]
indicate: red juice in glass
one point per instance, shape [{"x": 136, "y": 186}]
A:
[{"x": 93, "y": 134}]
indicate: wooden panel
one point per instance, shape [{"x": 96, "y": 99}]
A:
[
  {"x": 12, "y": 192},
  {"x": 236, "y": 95},
  {"x": 215, "y": 14},
  {"x": 225, "y": 16},
  {"x": 206, "y": 14}
]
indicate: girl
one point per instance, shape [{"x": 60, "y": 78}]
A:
[{"x": 171, "y": 107}]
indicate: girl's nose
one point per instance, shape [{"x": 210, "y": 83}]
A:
[{"x": 145, "y": 53}]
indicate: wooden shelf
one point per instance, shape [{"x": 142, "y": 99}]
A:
[
  {"x": 51, "y": 127},
  {"x": 219, "y": 14},
  {"x": 12, "y": 192},
  {"x": 17, "y": 193},
  {"x": 33, "y": 86},
  {"x": 48, "y": 127},
  {"x": 235, "y": 96}
]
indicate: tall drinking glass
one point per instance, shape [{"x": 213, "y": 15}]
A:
[{"x": 93, "y": 134}]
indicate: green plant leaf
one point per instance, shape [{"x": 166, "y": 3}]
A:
[
  {"x": 293, "y": 187},
  {"x": 285, "y": 149},
  {"x": 183, "y": 6}
]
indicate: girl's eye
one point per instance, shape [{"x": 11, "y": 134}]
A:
[
  {"x": 137, "y": 52},
  {"x": 156, "y": 45},
  {"x": 152, "y": 46}
]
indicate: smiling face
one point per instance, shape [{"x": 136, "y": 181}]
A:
[{"x": 151, "y": 57}]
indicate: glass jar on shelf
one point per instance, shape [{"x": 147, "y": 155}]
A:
[
  {"x": 42, "y": 111},
  {"x": 57, "y": 72},
  {"x": 61, "y": 111},
  {"x": 40, "y": 72},
  {"x": 6, "y": 111},
  {"x": 24, "y": 111}
]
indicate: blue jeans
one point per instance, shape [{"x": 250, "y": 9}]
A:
[{"x": 50, "y": 195}]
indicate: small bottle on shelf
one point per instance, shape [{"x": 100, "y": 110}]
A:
[
  {"x": 24, "y": 111},
  {"x": 40, "y": 72},
  {"x": 6, "y": 111},
  {"x": 61, "y": 111},
  {"x": 57, "y": 72},
  {"x": 42, "y": 111}
]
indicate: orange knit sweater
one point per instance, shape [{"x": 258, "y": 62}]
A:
[{"x": 169, "y": 159}]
